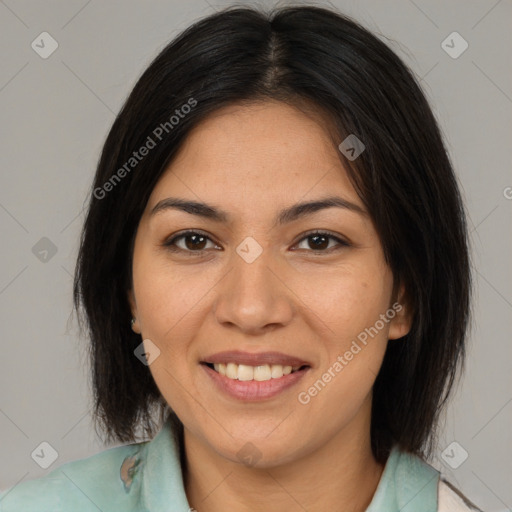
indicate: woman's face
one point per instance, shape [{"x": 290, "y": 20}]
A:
[{"x": 257, "y": 289}]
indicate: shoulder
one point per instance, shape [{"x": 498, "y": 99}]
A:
[
  {"x": 452, "y": 500},
  {"x": 419, "y": 486},
  {"x": 85, "y": 484}
]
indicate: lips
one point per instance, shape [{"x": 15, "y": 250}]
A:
[
  {"x": 254, "y": 376},
  {"x": 252, "y": 388},
  {"x": 260, "y": 359}
]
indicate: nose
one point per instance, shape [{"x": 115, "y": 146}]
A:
[{"x": 253, "y": 297}]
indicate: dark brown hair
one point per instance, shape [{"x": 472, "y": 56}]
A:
[{"x": 299, "y": 55}]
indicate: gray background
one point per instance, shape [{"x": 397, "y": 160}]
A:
[{"x": 55, "y": 115}]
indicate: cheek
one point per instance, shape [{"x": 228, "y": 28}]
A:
[
  {"x": 353, "y": 357},
  {"x": 165, "y": 297},
  {"x": 352, "y": 307},
  {"x": 166, "y": 302},
  {"x": 349, "y": 302}
]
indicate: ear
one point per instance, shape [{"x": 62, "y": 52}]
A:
[
  {"x": 401, "y": 323},
  {"x": 133, "y": 309}
]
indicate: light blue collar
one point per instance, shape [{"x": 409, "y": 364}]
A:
[
  {"x": 407, "y": 484},
  {"x": 162, "y": 487}
]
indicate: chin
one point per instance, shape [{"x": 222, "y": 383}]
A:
[{"x": 260, "y": 451}]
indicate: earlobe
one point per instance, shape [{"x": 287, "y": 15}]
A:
[
  {"x": 133, "y": 308},
  {"x": 399, "y": 327},
  {"x": 400, "y": 324}
]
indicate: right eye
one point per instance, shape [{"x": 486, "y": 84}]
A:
[{"x": 193, "y": 242}]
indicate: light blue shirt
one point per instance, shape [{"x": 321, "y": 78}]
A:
[{"x": 147, "y": 477}]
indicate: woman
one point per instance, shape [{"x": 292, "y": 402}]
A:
[{"x": 275, "y": 262}]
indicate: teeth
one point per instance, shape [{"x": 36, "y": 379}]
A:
[
  {"x": 244, "y": 372},
  {"x": 262, "y": 372},
  {"x": 232, "y": 371}
]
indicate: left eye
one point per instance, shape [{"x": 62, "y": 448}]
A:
[
  {"x": 321, "y": 241},
  {"x": 194, "y": 242}
]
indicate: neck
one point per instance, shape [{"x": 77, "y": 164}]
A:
[{"x": 340, "y": 475}]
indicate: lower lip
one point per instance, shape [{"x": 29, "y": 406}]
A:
[{"x": 253, "y": 390}]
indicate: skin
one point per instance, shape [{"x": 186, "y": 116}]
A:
[{"x": 252, "y": 161}]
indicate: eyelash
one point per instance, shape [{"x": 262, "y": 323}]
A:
[{"x": 170, "y": 244}]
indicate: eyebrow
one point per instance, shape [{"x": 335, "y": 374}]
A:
[{"x": 285, "y": 216}]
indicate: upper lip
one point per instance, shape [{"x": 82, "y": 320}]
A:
[{"x": 255, "y": 359}]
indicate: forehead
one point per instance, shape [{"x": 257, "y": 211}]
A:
[{"x": 266, "y": 152}]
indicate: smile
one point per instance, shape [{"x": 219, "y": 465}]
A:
[
  {"x": 258, "y": 373},
  {"x": 251, "y": 389}
]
